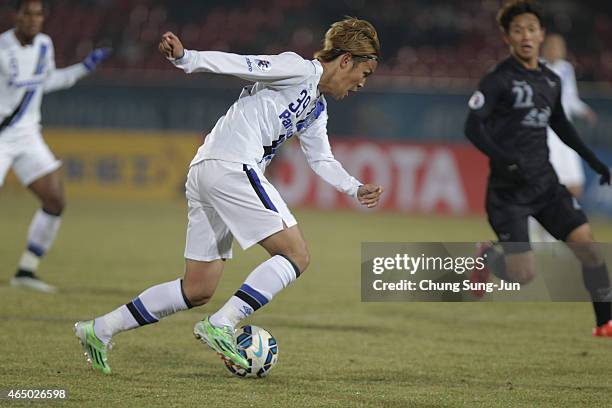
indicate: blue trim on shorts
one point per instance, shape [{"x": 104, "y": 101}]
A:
[{"x": 259, "y": 190}]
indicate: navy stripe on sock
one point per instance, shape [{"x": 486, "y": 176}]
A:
[
  {"x": 295, "y": 267},
  {"x": 136, "y": 314},
  {"x": 247, "y": 299},
  {"x": 259, "y": 190},
  {"x": 36, "y": 249},
  {"x": 254, "y": 293},
  {"x": 143, "y": 311}
]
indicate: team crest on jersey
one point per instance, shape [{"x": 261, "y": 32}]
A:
[
  {"x": 537, "y": 118},
  {"x": 477, "y": 100},
  {"x": 263, "y": 65}
]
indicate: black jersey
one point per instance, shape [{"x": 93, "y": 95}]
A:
[{"x": 516, "y": 105}]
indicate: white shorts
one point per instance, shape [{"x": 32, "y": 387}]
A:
[
  {"x": 565, "y": 160},
  {"x": 28, "y": 155},
  {"x": 227, "y": 200}
]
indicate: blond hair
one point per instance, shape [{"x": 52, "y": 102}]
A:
[{"x": 352, "y": 35}]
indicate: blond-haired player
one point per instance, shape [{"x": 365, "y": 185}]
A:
[{"x": 227, "y": 193}]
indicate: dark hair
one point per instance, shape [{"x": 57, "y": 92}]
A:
[
  {"x": 514, "y": 8},
  {"x": 19, "y": 3}
]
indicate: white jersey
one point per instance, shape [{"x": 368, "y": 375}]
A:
[
  {"x": 565, "y": 160},
  {"x": 571, "y": 102},
  {"x": 283, "y": 102},
  {"x": 26, "y": 73}
]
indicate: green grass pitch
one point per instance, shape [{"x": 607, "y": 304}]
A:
[{"x": 335, "y": 351}]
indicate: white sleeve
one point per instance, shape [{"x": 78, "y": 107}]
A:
[
  {"x": 316, "y": 148},
  {"x": 57, "y": 79},
  {"x": 572, "y": 104},
  {"x": 287, "y": 68}
]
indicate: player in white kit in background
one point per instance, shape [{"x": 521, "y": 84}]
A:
[
  {"x": 567, "y": 163},
  {"x": 27, "y": 71},
  {"x": 228, "y": 195}
]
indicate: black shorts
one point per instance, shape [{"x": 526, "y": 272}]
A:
[{"x": 555, "y": 209}]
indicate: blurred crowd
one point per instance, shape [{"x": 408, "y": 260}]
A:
[{"x": 420, "y": 38}]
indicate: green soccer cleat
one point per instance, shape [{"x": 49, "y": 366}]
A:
[
  {"x": 221, "y": 340},
  {"x": 95, "y": 350}
]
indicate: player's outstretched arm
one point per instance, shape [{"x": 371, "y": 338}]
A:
[
  {"x": 63, "y": 78},
  {"x": 315, "y": 145},
  {"x": 285, "y": 69},
  {"x": 96, "y": 57},
  {"x": 568, "y": 135}
]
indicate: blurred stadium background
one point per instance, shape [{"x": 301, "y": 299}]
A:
[
  {"x": 127, "y": 134},
  {"x": 139, "y": 119}
]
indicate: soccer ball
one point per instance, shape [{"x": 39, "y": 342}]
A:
[{"x": 259, "y": 348}]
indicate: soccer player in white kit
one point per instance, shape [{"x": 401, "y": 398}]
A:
[
  {"x": 27, "y": 72},
  {"x": 567, "y": 163},
  {"x": 228, "y": 195}
]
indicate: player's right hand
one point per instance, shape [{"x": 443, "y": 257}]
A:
[
  {"x": 369, "y": 194},
  {"x": 171, "y": 47}
]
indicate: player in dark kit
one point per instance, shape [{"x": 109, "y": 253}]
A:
[{"x": 509, "y": 114}]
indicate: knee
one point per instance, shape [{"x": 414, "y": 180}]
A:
[
  {"x": 587, "y": 251},
  {"x": 590, "y": 256},
  {"x": 54, "y": 204}
]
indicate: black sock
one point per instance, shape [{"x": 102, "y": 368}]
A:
[
  {"x": 496, "y": 262},
  {"x": 22, "y": 273},
  {"x": 597, "y": 282}
]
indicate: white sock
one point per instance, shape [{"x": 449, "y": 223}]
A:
[
  {"x": 259, "y": 288},
  {"x": 41, "y": 234},
  {"x": 150, "y": 306}
]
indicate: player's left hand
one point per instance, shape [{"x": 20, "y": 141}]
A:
[
  {"x": 369, "y": 194},
  {"x": 602, "y": 169},
  {"x": 604, "y": 172},
  {"x": 96, "y": 57}
]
